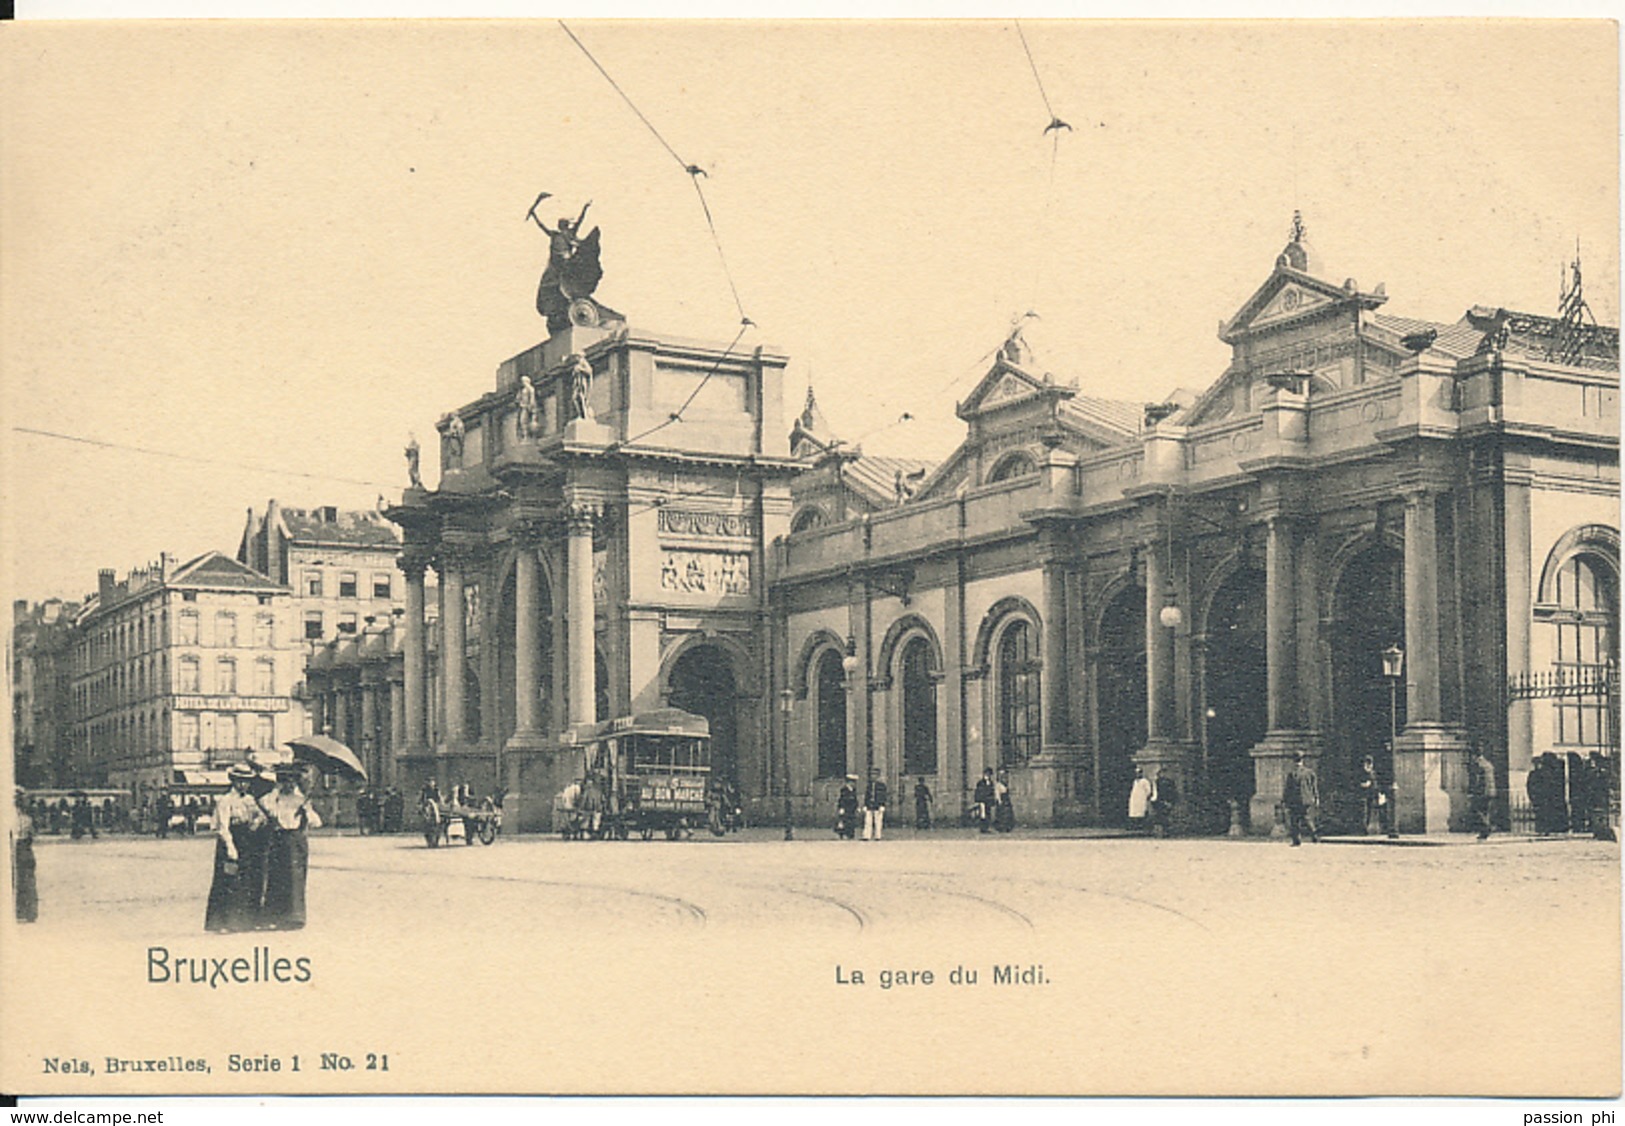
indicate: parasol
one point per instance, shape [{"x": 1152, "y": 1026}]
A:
[{"x": 328, "y": 755}]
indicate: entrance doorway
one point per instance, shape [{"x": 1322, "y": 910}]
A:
[
  {"x": 1368, "y": 617},
  {"x": 702, "y": 682},
  {"x": 1121, "y": 689},
  {"x": 1236, "y": 683}
]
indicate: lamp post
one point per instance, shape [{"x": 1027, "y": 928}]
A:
[
  {"x": 787, "y": 703},
  {"x": 1393, "y": 668},
  {"x": 849, "y": 665}
]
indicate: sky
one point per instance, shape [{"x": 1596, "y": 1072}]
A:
[{"x": 279, "y": 248}]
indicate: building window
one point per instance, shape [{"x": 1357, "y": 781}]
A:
[
  {"x": 919, "y": 709},
  {"x": 264, "y": 631},
  {"x": 1017, "y": 675},
  {"x": 225, "y": 630},
  {"x": 313, "y": 625},
  {"x": 313, "y": 584},
  {"x": 383, "y": 585},
  {"x": 225, "y": 676},
  {"x": 225, "y": 732},
  {"x": 265, "y": 678},
  {"x": 188, "y": 596},
  {"x": 186, "y": 631},
  {"x": 346, "y": 584},
  {"x": 186, "y": 679},
  {"x": 187, "y": 725},
  {"x": 830, "y": 689},
  {"x": 807, "y": 519},
  {"x": 264, "y": 732},
  {"x": 1013, "y": 466},
  {"x": 347, "y": 622},
  {"x": 1585, "y": 641}
]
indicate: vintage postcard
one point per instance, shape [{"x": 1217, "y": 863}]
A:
[{"x": 993, "y": 557}]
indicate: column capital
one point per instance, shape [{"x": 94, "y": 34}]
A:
[
  {"x": 461, "y": 557},
  {"x": 532, "y": 530},
  {"x": 581, "y": 517},
  {"x": 415, "y": 560}
]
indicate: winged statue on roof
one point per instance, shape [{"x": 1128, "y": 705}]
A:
[{"x": 573, "y": 270}]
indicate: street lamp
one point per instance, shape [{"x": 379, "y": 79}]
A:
[
  {"x": 1393, "y": 668},
  {"x": 787, "y": 703}
]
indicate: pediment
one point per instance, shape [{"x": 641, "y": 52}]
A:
[
  {"x": 1287, "y": 295},
  {"x": 1006, "y": 383}
]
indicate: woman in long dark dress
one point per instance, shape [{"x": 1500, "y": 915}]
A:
[
  {"x": 239, "y": 857},
  {"x": 287, "y": 858},
  {"x": 22, "y": 862}
]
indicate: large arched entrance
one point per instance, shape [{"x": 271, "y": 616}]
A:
[
  {"x": 507, "y": 677},
  {"x": 1122, "y": 699},
  {"x": 702, "y": 682},
  {"x": 1368, "y": 616},
  {"x": 1235, "y": 683}
]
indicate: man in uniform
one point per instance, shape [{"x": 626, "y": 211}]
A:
[
  {"x": 1484, "y": 793},
  {"x": 874, "y": 806}
]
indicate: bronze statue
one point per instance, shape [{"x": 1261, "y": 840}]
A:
[{"x": 573, "y": 268}]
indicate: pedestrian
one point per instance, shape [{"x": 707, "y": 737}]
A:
[
  {"x": 1300, "y": 795},
  {"x": 287, "y": 855},
  {"x": 1545, "y": 788},
  {"x": 1483, "y": 791},
  {"x": 160, "y": 816},
  {"x": 922, "y": 804},
  {"x": 1139, "y": 801},
  {"x": 238, "y": 889},
  {"x": 23, "y": 886},
  {"x": 1004, "y": 811},
  {"x": 191, "y": 814},
  {"x": 1601, "y": 789},
  {"x": 1369, "y": 793},
  {"x": 985, "y": 797},
  {"x": 874, "y": 806},
  {"x": 1579, "y": 794},
  {"x": 846, "y": 808},
  {"x": 591, "y": 804},
  {"x": 1164, "y": 796},
  {"x": 394, "y": 810}
]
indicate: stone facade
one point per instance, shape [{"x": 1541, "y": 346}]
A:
[
  {"x": 181, "y": 667},
  {"x": 1206, "y": 588}
]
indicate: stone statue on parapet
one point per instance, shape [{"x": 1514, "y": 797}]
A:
[
  {"x": 456, "y": 432},
  {"x": 527, "y": 408},
  {"x": 573, "y": 271},
  {"x": 580, "y": 386},
  {"x": 413, "y": 476},
  {"x": 1015, "y": 348}
]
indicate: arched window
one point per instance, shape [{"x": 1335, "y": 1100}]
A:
[
  {"x": 1585, "y": 625},
  {"x": 1012, "y": 466},
  {"x": 919, "y": 709},
  {"x": 808, "y": 518},
  {"x": 830, "y": 697},
  {"x": 1018, "y": 680}
]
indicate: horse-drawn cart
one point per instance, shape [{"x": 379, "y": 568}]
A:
[{"x": 445, "y": 822}]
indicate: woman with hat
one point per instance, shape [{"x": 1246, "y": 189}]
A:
[
  {"x": 239, "y": 855},
  {"x": 287, "y": 857}
]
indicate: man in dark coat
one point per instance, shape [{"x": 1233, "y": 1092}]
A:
[
  {"x": 1300, "y": 796},
  {"x": 922, "y": 804},
  {"x": 984, "y": 798},
  {"x": 846, "y": 809}
]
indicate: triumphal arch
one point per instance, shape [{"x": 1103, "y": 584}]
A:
[{"x": 599, "y": 531}]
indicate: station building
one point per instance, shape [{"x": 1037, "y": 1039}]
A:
[{"x": 1370, "y": 535}]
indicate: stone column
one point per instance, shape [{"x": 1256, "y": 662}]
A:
[
  {"x": 452, "y": 644},
  {"x": 369, "y": 725},
  {"x": 415, "y": 658},
  {"x": 1056, "y": 729},
  {"x": 1159, "y": 651},
  {"x": 1430, "y": 756},
  {"x": 397, "y": 728},
  {"x": 1281, "y": 626},
  {"x": 527, "y": 660},
  {"x": 578, "y": 566},
  {"x": 341, "y": 713}
]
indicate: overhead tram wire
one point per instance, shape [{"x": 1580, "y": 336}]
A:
[
  {"x": 693, "y": 171},
  {"x": 198, "y": 458},
  {"x": 1055, "y": 126}
]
